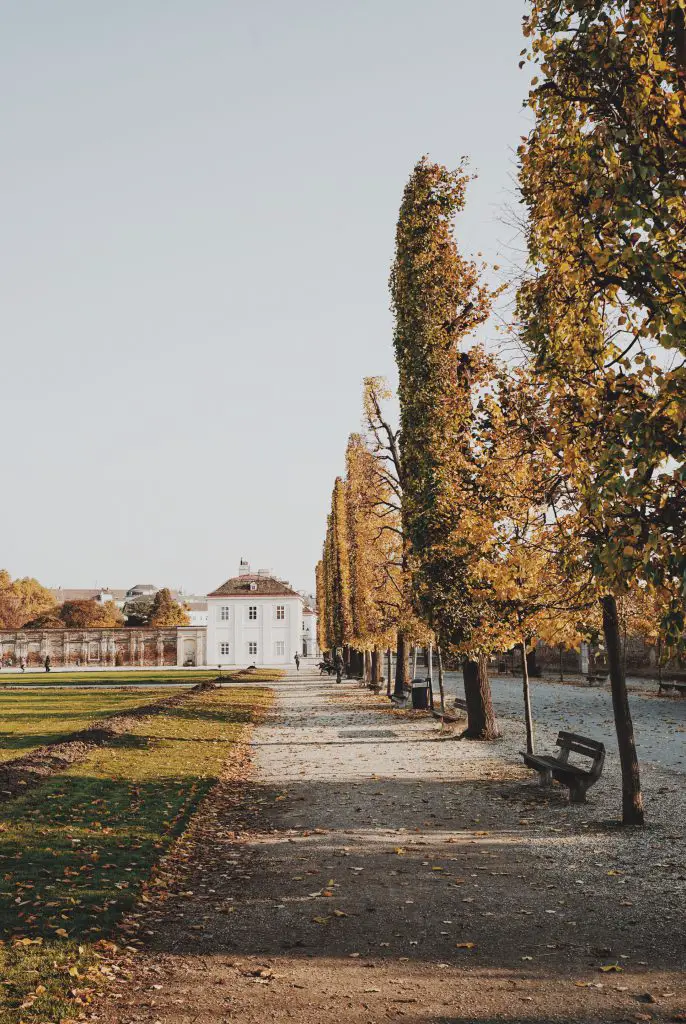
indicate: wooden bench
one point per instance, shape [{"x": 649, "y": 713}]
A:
[
  {"x": 673, "y": 685},
  {"x": 577, "y": 780},
  {"x": 599, "y": 676},
  {"x": 452, "y": 717}
]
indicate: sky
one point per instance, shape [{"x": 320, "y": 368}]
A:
[{"x": 198, "y": 204}]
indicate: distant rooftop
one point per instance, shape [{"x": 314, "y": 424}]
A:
[
  {"x": 62, "y": 594},
  {"x": 248, "y": 584}
]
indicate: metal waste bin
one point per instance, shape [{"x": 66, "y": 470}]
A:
[{"x": 420, "y": 694}]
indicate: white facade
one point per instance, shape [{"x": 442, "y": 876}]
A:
[
  {"x": 255, "y": 620},
  {"x": 309, "y": 647}
]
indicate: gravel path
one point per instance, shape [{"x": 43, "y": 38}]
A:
[
  {"x": 659, "y": 722},
  {"x": 372, "y": 870}
]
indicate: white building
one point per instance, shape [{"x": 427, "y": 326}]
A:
[
  {"x": 309, "y": 648},
  {"x": 254, "y": 618}
]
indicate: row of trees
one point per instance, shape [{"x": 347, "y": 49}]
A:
[
  {"x": 545, "y": 498},
  {"x": 25, "y": 603}
]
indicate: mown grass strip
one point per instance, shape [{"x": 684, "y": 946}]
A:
[
  {"x": 29, "y": 720},
  {"x": 74, "y": 851},
  {"x": 122, "y": 677}
]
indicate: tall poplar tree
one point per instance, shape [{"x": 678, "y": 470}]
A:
[
  {"x": 368, "y": 554},
  {"x": 438, "y": 301}
]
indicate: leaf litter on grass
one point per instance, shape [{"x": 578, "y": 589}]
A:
[{"x": 77, "y": 851}]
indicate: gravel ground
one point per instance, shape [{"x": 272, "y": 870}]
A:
[
  {"x": 372, "y": 869},
  {"x": 659, "y": 722}
]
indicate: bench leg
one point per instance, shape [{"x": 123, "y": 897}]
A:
[
  {"x": 577, "y": 794},
  {"x": 546, "y": 779}
]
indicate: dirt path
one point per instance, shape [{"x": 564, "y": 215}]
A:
[{"x": 369, "y": 872}]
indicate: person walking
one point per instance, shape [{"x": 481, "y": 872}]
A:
[
  {"x": 296, "y": 659},
  {"x": 338, "y": 665},
  {"x": 47, "y": 662},
  {"x": 22, "y": 664}
]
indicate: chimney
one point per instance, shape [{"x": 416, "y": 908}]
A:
[{"x": 243, "y": 567}]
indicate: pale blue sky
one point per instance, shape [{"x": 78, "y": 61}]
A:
[{"x": 198, "y": 205}]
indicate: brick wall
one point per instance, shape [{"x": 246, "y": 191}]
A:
[{"x": 94, "y": 647}]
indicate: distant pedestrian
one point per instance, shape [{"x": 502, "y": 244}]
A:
[
  {"x": 338, "y": 665},
  {"x": 47, "y": 662},
  {"x": 22, "y": 664},
  {"x": 296, "y": 659}
]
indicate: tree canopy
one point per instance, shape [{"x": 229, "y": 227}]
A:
[{"x": 165, "y": 611}]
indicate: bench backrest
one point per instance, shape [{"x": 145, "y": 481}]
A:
[{"x": 571, "y": 742}]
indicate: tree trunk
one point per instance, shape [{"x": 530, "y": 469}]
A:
[
  {"x": 402, "y": 667},
  {"x": 441, "y": 687},
  {"x": 367, "y": 662},
  {"x": 632, "y": 800},
  {"x": 562, "y": 675},
  {"x": 532, "y": 663},
  {"x": 346, "y": 660},
  {"x": 389, "y": 673},
  {"x": 377, "y": 665},
  {"x": 527, "y": 701},
  {"x": 414, "y": 662},
  {"x": 481, "y": 723}
]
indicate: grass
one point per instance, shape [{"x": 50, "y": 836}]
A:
[
  {"x": 75, "y": 851},
  {"x": 124, "y": 677},
  {"x": 121, "y": 676},
  {"x": 28, "y": 721}
]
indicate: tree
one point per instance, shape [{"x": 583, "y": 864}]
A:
[
  {"x": 22, "y": 600},
  {"x": 604, "y": 309},
  {"x": 341, "y": 570},
  {"x": 368, "y": 556},
  {"x": 322, "y": 638},
  {"x": 138, "y": 610},
  {"x": 394, "y": 587},
  {"x": 167, "y": 612},
  {"x": 536, "y": 589},
  {"x": 90, "y": 615},
  {"x": 438, "y": 301},
  {"x": 48, "y": 620}
]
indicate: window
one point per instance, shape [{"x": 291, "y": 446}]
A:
[
  {"x": 280, "y": 648},
  {"x": 280, "y": 611},
  {"x": 252, "y": 612},
  {"x": 252, "y": 647},
  {"x": 253, "y": 586},
  {"x": 224, "y": 613},
  {"x": 225, "y": 648}
]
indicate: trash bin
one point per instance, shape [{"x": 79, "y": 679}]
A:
[{"x": 420, "y": 694}]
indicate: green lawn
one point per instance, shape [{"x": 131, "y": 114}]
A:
[
  {"x": 74, "y": 851},
  {"x": 122, "y": 677},
  {"x": 28, "y": 720}
]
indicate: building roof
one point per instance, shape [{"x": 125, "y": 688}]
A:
[
  {"x": 62, "y": 594},
  {"x": 265, "y": 586}
]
